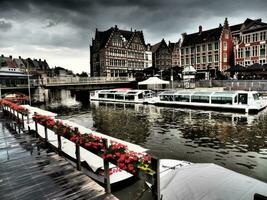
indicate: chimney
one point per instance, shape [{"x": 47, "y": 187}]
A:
[
  {"x": 19, "y": 57},
  {"x": 220, "y": 25},
  {"x": 200, "y": 29},
  {"x": 10, "y": 57},
  {"x": 184, "y": 34},
  {"x": 131, "y": 29},
  {"x": 2, "y": 55}
]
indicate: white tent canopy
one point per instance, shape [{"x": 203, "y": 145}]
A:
[
  {"x": 153, "y": 81},
  {"x": 189, "y": 70}
]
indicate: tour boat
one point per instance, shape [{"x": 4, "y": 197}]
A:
[
  {"x": 235, "y": 101},
  {"x": 122, "y": 95}
]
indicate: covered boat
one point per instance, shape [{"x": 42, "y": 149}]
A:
[
  {"x": 235, "y": 101},
  {"x": 122, "y": 95}
]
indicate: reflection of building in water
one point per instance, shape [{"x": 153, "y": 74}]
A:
[
  {"x": 63, "y": 98},
  {"x": 120, "y": 121}
]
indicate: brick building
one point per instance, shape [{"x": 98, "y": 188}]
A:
[
  {"x": 116, "y": 53},
  {"x": 210, "y": 50},
  {"x": 250, "y": 43},
  {"x": 161, "y": 55}
]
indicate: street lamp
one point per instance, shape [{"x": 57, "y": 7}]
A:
[{"x": 29, "y": 86}]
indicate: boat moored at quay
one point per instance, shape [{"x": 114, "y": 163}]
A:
[
  {"x": 122, "y": 95},
  {"x": 234, "y": 101}
]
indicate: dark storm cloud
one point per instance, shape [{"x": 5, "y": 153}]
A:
[{"x": 71, "y": 23}]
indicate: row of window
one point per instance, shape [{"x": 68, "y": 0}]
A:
[
  {"x": 259, "y": 50},
  {"x": 197, "y": 99},
  {"x": 248, "y": 62},
  {"x": 202, "y": 59},
  {"x": 201, "y": 48},
  {"x": 254, "y": 37},
  {"x": 124, "y": 53}
]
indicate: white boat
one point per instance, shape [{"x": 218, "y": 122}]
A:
[
  {"x": 122, "y": 95},
  {"x": 234, "y": 101}
]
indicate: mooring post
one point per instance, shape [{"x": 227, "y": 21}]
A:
[
  {"x": 106, "y": 169},
  {"x": 77, "y": 152},
  {"x": 156, "y": 178}
]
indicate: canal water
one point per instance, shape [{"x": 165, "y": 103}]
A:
[{"x": 235, "y": 141}]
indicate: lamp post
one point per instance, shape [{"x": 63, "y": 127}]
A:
[{"x": 29, "y": 86}]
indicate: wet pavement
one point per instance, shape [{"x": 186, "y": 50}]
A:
[{"x": 26, "y": 173}]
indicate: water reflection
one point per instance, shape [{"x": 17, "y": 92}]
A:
[{"x": 236, "y": 141}]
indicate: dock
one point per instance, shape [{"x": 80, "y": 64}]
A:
[{"x": 28, "y": 172}]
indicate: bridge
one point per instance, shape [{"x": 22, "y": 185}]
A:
[
  {"x": 87, "y": 83},
  {"x": 71, "y": 83}
]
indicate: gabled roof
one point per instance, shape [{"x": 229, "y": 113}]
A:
[
  {"x": 103, "y": 36},
  {"x": 156, "y": 46},
  {"x": 202, "y": 37},
  {"x": 252, "y": 25}
]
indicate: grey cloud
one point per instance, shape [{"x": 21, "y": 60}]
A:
[{"x": 4, "y": 26}]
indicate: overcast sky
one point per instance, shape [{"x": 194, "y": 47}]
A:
[{"x": 60, "y": 31}]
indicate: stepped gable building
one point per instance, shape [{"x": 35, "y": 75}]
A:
[
  {"x": 175, "y": 53},
  {"x": 250, "y": 43},
  {"x": 209, "y": 50},
  {"x": 116, "y": 52},
  {"x": 161, "y": 55}
]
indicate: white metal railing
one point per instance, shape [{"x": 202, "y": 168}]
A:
[{"x": 84, "y": 80}]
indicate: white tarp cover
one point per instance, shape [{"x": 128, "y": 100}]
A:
[
  {"x": 209, "y": 182},
  {"x": 153, "y": 81}
]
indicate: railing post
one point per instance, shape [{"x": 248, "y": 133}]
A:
[
  {"x": 18, "y": 121},
  {"x": 46, "y": 139},
  {"x": 23, "y": 125},
  {"x": 106, "y": 169},
  {"x": 156, "y": 178},
  {"x": 28, "y": 118},
  {"x": 36, "y": 126},
  {"x": 59, "y": 145},
  {"x": 77, "y": 152}
]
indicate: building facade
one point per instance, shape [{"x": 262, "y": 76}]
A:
[
  {"x": 161, "y": 56},
  {"x": 250, "y": 43},
  {"x": 175, "y": 53},
  {"x": 210, "y": 50},
  {"x": 116, "y": 53}
]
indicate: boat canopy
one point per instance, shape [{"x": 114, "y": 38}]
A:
[
  {"x": 124, "y": 92},
  {"x": 208, "y": 181}
]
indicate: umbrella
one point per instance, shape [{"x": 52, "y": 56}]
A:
[
  {"x": 255, "y": 67},
  {"x": 236, "y": 68}
]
